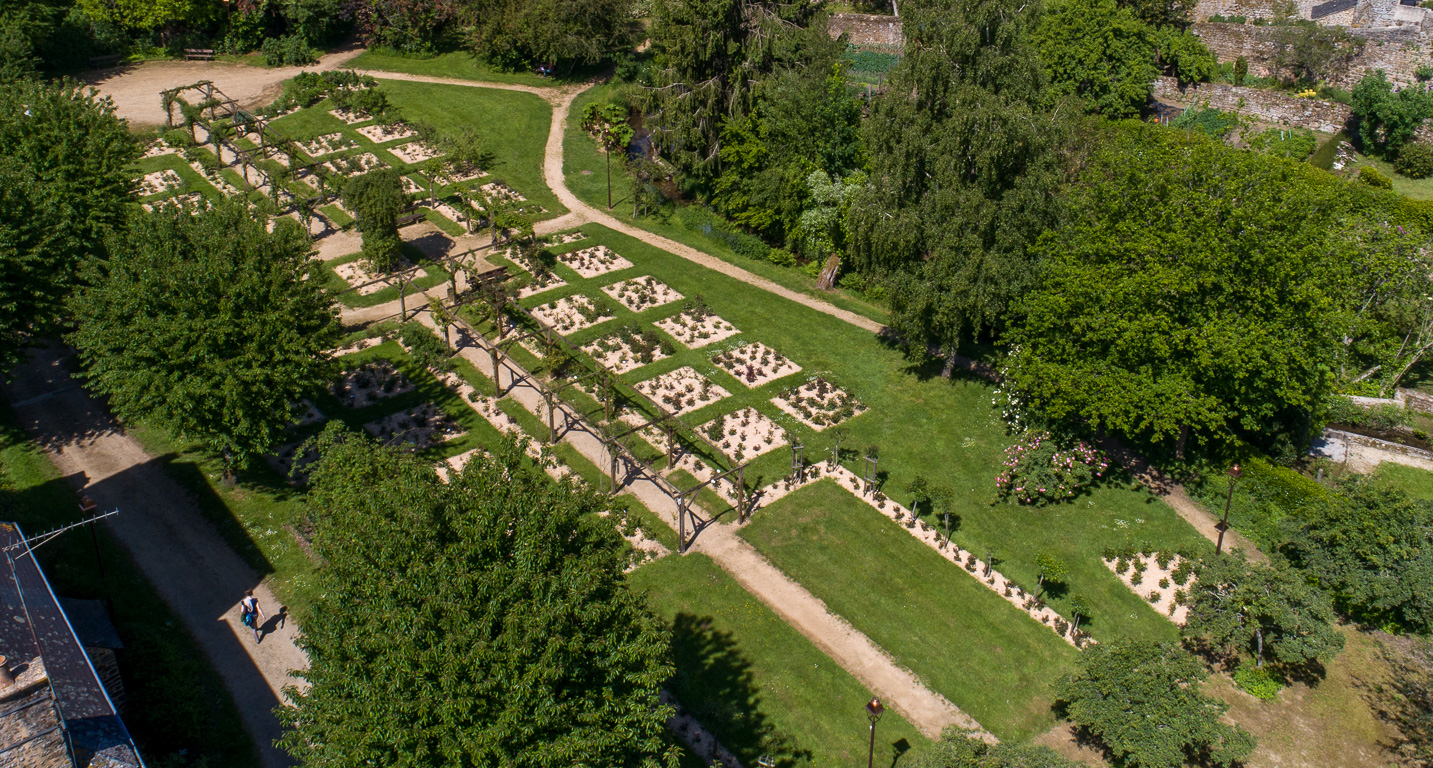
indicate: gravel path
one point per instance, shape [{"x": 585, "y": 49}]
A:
[
  {"x": 194, "y": 570},
  {"x": 135, "y": 87}
]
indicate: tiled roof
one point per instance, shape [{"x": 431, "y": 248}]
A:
[{"x": 57, "y": 695}]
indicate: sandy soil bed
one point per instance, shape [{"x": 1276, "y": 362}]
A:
[
  {"x": 682, "y": 390},
  {"x": 594, "y": 261},
  {"x": 379, "y": 134},
  {"x": 417, "y": 428},
  {"x": 414, "y": 152},
  {"x": 696, "y": 329},
  {"x": 572, "y": 313},
  {"x": 356, "y": 273},
  {"x": 352, "y": 165},
  {"x": 819, "y": 404},
  {"x": 1158, "y": 586},
  {"x": 641, "y": 293},
  {"x": 745, "y": 434},
  {"x": 159, "y": 182},
  {"x": 367, "y": 384},
  {"x": 623, "y": 352},
  {"x": 755, "y": 364},
  {"x": 326, "y": 144}
]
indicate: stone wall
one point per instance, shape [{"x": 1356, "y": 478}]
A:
[
  {"x": 1261, "y": 104},
  {"x": 1399, "y": 51},
  {"x": 867, "y": 30},
  {"x": 1356, "y": 13}
]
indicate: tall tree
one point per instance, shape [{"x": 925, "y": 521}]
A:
[
  {"x": 561, "y": 33},
  {"x": 1369, "y": 546},
  {"x": 65, "y": 186},
  {"x": 963, "y": 171},
  {"x": 1193, "y": 292},
  {"x": 376, "y": 199},
  {"x": 709, "y": 57},
  {"x": 1141, "y": 701},
  {"x": 1267, "y": 612},
  {"x": 208, "y": 325},
  {"x": 482, "y": 621}
]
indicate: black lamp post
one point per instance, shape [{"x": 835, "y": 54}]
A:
[
  {"x": 874, "y": 710},
  {"x": 1224, "y": 524}
]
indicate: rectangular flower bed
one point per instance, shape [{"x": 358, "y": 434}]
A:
[
  {"x": 572, "y": 313},
  {"x": 641, "y": 293},
  {"x": 682, "y": 390},
  {"x": 697, "y": 327},
  {"x": 367, "y": 384},
  {"x": 326, "y": 144},
  {"x": 755, "y": 364},
  {"x": 379, "y": 134},
  {"x": 819, "y": 403},
  {"x": 745, "y": 434},
  {"x": 353, "y": 165},
  {"x": 159, "y": 182},
  {"x": 594, "y": 261},
  {"x": 414, "y": 152},
  {"x": 417, "y": 428},
  {"x": 628, "y": 349}
]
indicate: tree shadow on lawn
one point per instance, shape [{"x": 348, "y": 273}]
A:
[{"x": 715, "y": 682}]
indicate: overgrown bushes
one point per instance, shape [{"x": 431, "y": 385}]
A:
[
  {"x": 288, "y": 51},
  {"x": 1415, "y": 161}
]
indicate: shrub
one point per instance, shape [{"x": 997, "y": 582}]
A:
[
  {"x": 427, "y": 349},
  {"x": 1285, "y": 142},
  {"x": 1415, "y": 161},
  {"x": 1258, "y": 681},
  {"x": 1370, "y": 176},
  {"x": 1038, "y": 471},
  {"x": 288, "y": 51},
  {"x": 1206, "y": 120},
  {"x": 781, "y": 257}
]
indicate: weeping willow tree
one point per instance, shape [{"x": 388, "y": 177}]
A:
[{"x": 710, "y": 56}]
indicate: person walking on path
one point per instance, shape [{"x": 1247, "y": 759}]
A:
[{"x": 251, "y": 614}]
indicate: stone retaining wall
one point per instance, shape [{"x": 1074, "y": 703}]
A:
[
  {"x": 866, "y": 29},
  {"x": 1399, "y": 51},
  {"x": 1259, "y": 103}
]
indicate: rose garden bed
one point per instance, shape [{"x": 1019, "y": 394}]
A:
[
  {"x": 1163, "y": 579},
  {"x": 745, "y": 434},
  {"x": 352, "y": 165},
  {"x": 326, "y": 144},
  {"x": 413, "y": 152},
  {"x": 755, "y": 364},
  {"x": 641, "y": 293},
  {"x": 697, "y": 327},
  {"x": 349, "y": 116},
  {"x": 682, "y": 390},
  {"x": 594, "y": 261},
  {"x": 159, "y": 182},
  {"x": 628, "y": 349},
  {"x": 572, "y": 313},
  {"x": 378, "y": 134},
  {"x": 420, "y": 427},
  {"x": 819, "y": 403},
  {"x": 367, "y": 384}
]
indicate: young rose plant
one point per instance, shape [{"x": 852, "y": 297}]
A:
[{"x": 1038, "y": 471}]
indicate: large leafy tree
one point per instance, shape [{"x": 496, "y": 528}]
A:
[
  {"x": 963, "y": 170},
  {"x": 1369, "y": 546},
  {"x": 1268, "y": 612},
  {"x": 1386, "y": 118},
  {"x": 1141, "y": 701},
  {"x": 565, "y": 33},
  {"x": 481, "y": 621},
  {"x": 1193, "y": 291},
  {"x": 65, "y": 186},
  {"x": 1100, "y": 51},
  {"x": 208, "y": 325}
]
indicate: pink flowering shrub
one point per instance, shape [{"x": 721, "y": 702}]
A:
[{"x": 1038, "y": 471}]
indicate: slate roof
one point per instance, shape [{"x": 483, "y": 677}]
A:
[{"x": 57, "y": 714}]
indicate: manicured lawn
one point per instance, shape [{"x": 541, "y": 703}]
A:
[
  {"x": 946, "y": 430},
  {"x": 1415, "y": 189},
  {"x": 985, "y": 655},
  {"x": 178, "y": 705},
  {"x": 753, "y": 680},
  {"x": 512, "y": 125},
  {"x": 1416, "y": 482},
  {"x": 580, "y": 154}
]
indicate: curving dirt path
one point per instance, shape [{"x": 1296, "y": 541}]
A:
[{"x": 162, "y": 527}]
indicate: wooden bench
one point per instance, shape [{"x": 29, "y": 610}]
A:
[
  {"x": 198, "y": 54},
  {"x": 410, "y": 219},
  {"x": 101, "y": 62}
]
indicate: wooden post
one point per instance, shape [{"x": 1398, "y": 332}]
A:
[
  {"x": 551, "y": 426},
  {"x": 612, "y": 459},
  {"x": 681, "y": 524},
  {"x": 497, "y": 372},
  {"x": 741, "y": 493}
]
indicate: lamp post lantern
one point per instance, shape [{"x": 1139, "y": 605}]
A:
[
  {"x": 874, "y": 710},
  {"x": 1224, "y": 524}
]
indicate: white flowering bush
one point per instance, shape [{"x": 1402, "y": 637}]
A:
[{"x": 1038, "y": 471}]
